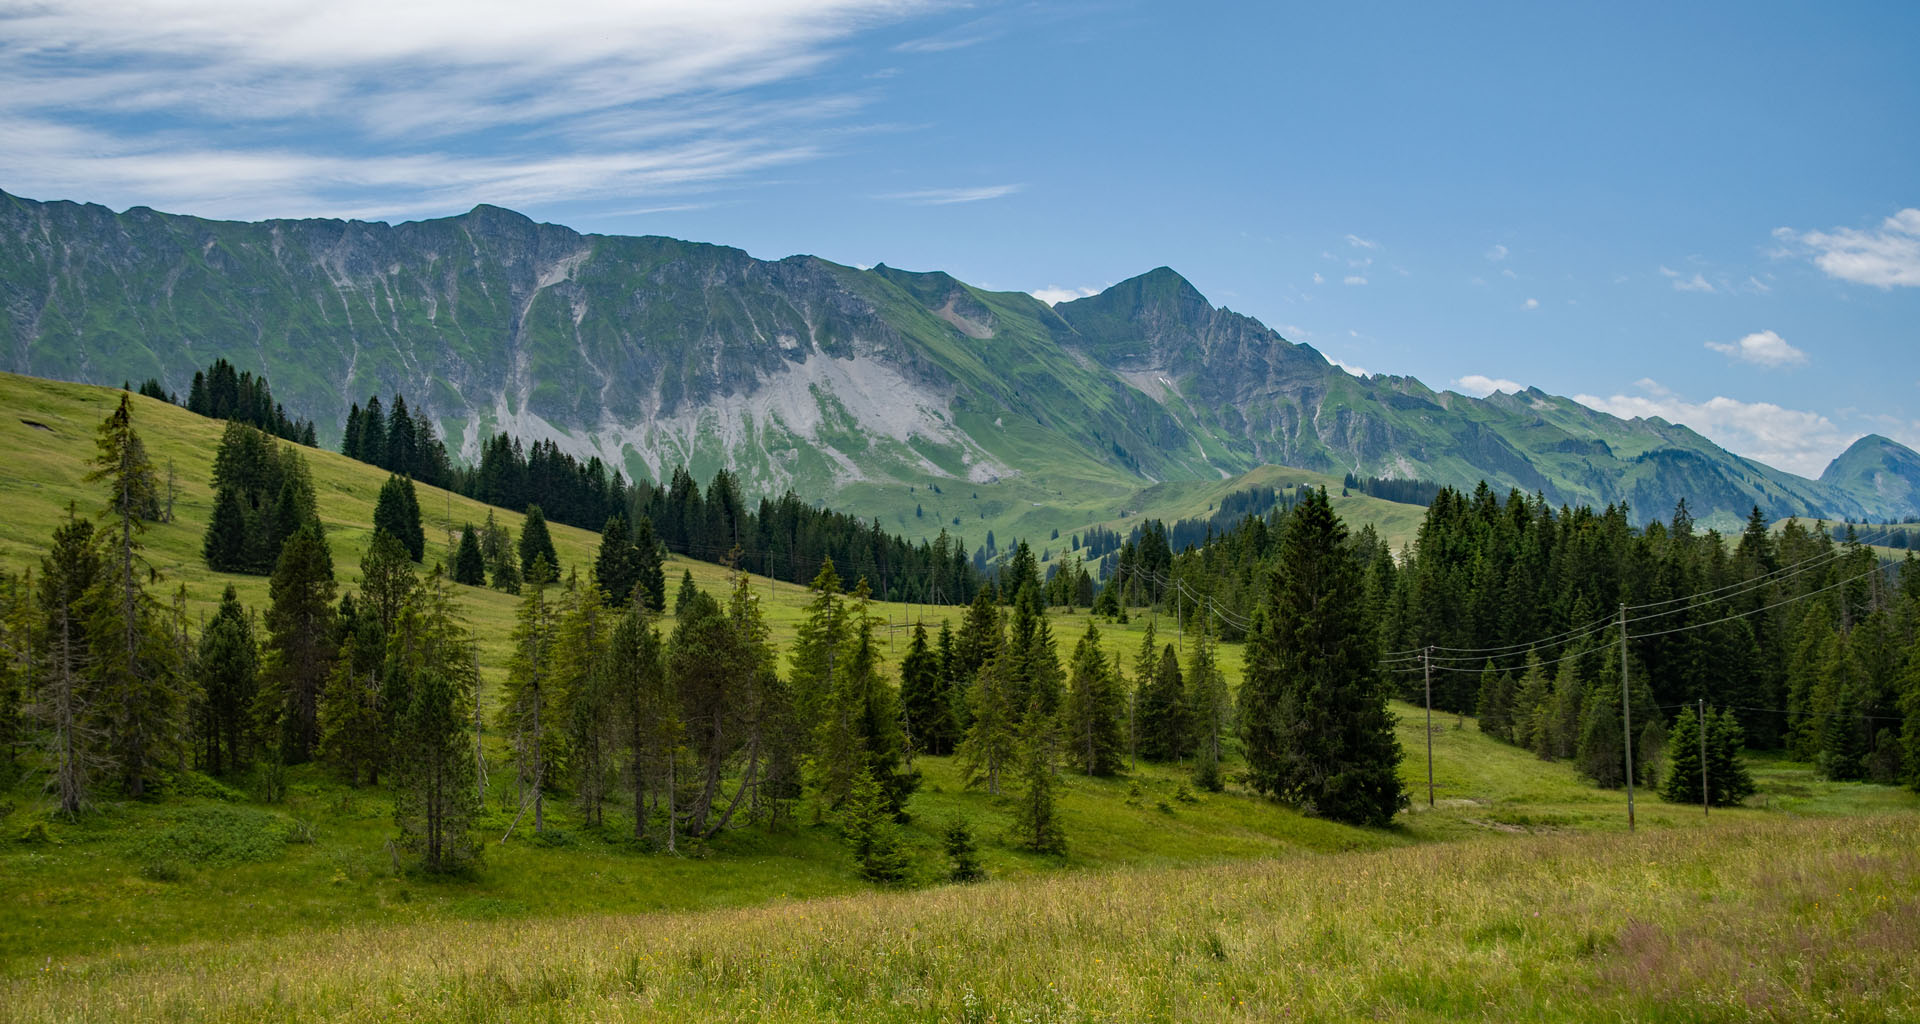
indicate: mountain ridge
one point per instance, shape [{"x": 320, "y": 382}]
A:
[{"x": 804, "y": 373}]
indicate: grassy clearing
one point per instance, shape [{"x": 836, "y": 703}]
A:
[{"x": 1775, "y": 920}]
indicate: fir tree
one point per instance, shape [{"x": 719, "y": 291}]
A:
[
  {"x": 1313, "y": 711},
  {"x": 1036, "y": 825},
  {"x": 1210, "y": 711},
  {"x": 435, "y": 799},
  {"x": 1163, "y": 723},
  {"x": 300, "y": 647},
  {"x": 1492, "y": 706},
  {"x": 527, "y": 713},
  {"x": 651, "y": 570},
  {"x": 924, "y": 700},
  {"x": 398, "y": 513},
  {"x": 535, "y": 543},
  {"x": 134, "y": 662},
  {"x": 228, "y": 667},
  {"x": 586, "y": 696},
  {"x": 685, "y": 595},
  {"x": 617, "y": 567},
  {"x": 225, "y": 546},
  {"x": 991, "y": 743},
  {"x": 870, "y": 831},
  {"x": 648, "y": 712},
  {"x": 386, "y": 578},
  {"x": 1095, "y": 736},
  {"x": 503, "y": 566},
  {"x": 469, "y": 566},
  {"x": 355, "y": 717},
  {"x": 67, "y": 702}
]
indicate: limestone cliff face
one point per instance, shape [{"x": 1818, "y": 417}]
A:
[{"x": 803, "y": 373}]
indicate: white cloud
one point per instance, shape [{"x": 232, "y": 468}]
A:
[
  {"x": 947, "y": 196},
  {"x": 1317, "y": 279},
  {"x": 1354, "y": 279},
  {"x": 1884, "y": 258},
  {"x": 1362, "y": 243},
  {"x": 1762, "y": 348},
  {"x": 1653, "y": 387},
  {"x": 1480, "y": 385},
  {"x": 1053, "y": 294},
  {"x": 1357, "y": 371},
  {"x": 1791, "y": 439},
  {"x": 1496, "y": 254},
  {"x": 1683, "y": 283},
  {"x": 1530, "y": 304},
  {"x": 365, "y": 107}
]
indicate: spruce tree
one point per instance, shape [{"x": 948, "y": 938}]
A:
[
  {"x": 1164, "y": 725},
  {"x": 651, "y": 569},
  {"x": 585, "y": 695},
  {"x": 386, "y": 578},
  {"x": 225, "y": 546},
  {"x": 992, "y": 743},
  {"x": 617, "y": 567},
  {"x": 685, "y": 595},
  {"x": 228, "y": 667},
  {"x": 398, "y": 513},
  {"x": 924, "y": 699},
  {"x": 1210, "y": 710},
  {"x": 1313, "y": 709},
  {"x": 134, "y": 662},
  {"x": 503, "y": 566},
  {"x": 1492, "y": 706},
  {"x": 469, "y": 566},
  {"x": 355, "y": 718},
  {"x": 1683, "y": 762},
  {"x": 300, "y": 643},
  {"x": 1095, "y": 733},
  {"x": 373, "y": 434},
  {"x": 648, "y": 717},
  {"x": 867, "y": 822},
  {"x": 535, "y": 544},
  {"x": 1036, "y": 824},
  {"x": 435, "y": 801},
  {"x": 67, "y": 704},
  {"x": 527, "y": 712}
]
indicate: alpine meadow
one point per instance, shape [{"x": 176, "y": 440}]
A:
[{"x": 433, "y": 588}]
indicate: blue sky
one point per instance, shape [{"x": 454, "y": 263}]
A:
[{"x": 1706, "y": 212}]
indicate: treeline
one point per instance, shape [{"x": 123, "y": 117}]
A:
[
  {"x": 222, "y": 393},
  {"x": 1408, "y": 492},
  {"x": 398, "y": 443},
  {"x": 1802, "y": 641}
]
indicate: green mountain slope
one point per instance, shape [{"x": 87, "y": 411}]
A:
[{"x": 866, "y": 388}]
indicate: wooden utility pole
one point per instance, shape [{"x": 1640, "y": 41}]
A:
[
  {"x": 1426, "y": 664},
  {"x": 1626, "y": 712},
  {"x": 1705, "y": 800}
]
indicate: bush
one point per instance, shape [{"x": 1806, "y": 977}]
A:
[{"x": 214, "y": 835}]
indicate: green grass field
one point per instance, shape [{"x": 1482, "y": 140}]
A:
[{"x": 1517, "y": 895}]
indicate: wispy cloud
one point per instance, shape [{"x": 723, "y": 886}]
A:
[
  {"x": 1053, "y": 294},
  {"x": 1357, "y": 371},
  {"x": 1353, "y": 279},
  {"x": 235, "y": 108},
  {"x": 1683, "y": 283},
  {"x": 1885, "y": 258},
  {"x": 1496, "y": 254},
  {"x": 1362, "y": 243},
  {"x": 1480, "y": 385},
  {"x": 1530, "y": 304},
  {"x": 945, "y": 196},
  {"x": 1795, "y": 440},
  {"x": 1761, "y": 348}
]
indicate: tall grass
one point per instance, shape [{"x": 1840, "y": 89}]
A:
[{"x": 1780, "y": 920}]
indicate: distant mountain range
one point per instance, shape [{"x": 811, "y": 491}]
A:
[{"x": 844, "y": 384}]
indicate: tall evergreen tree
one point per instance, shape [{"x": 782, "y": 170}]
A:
[
  {"x": 398, "y": 513},
  {"x": 924, "y": 699},
  {"x": 225, "y": 547},
  {"x": 373, "y": 434},
  {"x": 617, "y": 566},
  {"x": 1210, "y": 711},
  {"x": 1164, "y": 725},
  {"x": 1095, "y": 734},
  {"x": 536, "y": 543},
  {"x": 387, "y": 579},
  {"x": 867, "y": 822},
  {"x": 228, "y": 666},
  {"x": 648, "y": 713},
  {"x": 435, "y": 799},
  {"x": 527, "y": 714},
  {"x": 1313, "y": 711},
  {"x": 1036, "y": 823},
  {"x": 649, "y": 566},
  {"x": 469, "y": 566},
  {"x": 402, "y": 456},
  {"x": 300, "y": 643},
  {"x": 133, "y": 659},
  {"x": 356, "y": 721},
  {"x": 67, "y": 702}
]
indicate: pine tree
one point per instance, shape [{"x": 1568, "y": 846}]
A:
[
  {"x": 617, "y": 567},
  {"x": 225, "y": 546},
  {"x": 67, "y": 704},
  {"x": 355, "y": 717},
  {"x": 924, "y": 699},
  {"x": 228, "y": 666},
  {"x": 398, "y": 513},
  {"x": 1313, "y": 711},
  {"x": 1492, "y": 706},
  {"x": 651, "y": 570},
  {"x": 868, "y": 825},
  {"x": 1095, "y": 735},
  {"x": 17, "y": 666},
  {"x": 1211, "y": 711},
  {"x": 991, "y": 743},
  {"x": 685, "y": 595},
  {"x": 134, "y": 661},
  {"x": 1036, "y": 825},
  {"x": 503, "y": 567},
  {"x": 1163, "y": 722},
  {"x": 373, "y": 434},
  {"x": 432, "y": 662},
  {"x": 648, "y": 711},
  {"x": 1036, "y": 659},
  {"x": 535, "y": 543},
  {"x": 386, "y": 578},
  {"x": 401, "y": 456},
  {"x": 586, "y": 696},
  {"x": 469, "y": 566},
  {"x": 527, "y": 713},
  {"x": 300, "y": 643}
]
